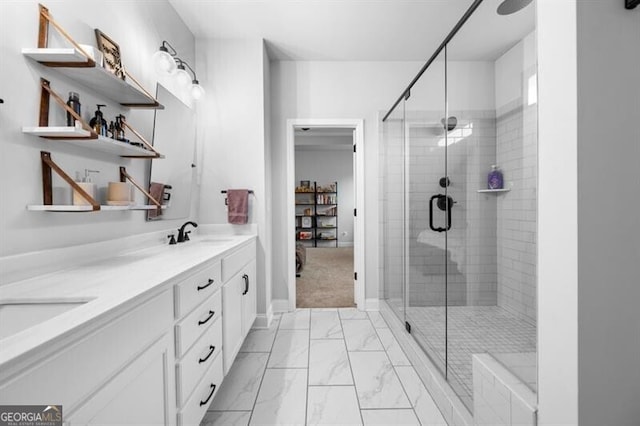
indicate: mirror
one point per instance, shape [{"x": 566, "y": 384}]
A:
[{"x": 174, "y": 136}]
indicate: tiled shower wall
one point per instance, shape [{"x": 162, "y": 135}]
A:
[
  {"x": 471, "y": 249},
  {"x": 516, "y": 154}
]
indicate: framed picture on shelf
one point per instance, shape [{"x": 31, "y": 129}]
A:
[
  {"x": 306, "y": 221},
  {"x": 111, "y": 54},
  {"x": 306, "y": 184}
]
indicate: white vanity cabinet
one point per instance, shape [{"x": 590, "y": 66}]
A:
[
  {"x": 157, "y": 356},
  {"x": 238, "y": 300},
  {"x": 116, "y": 371},
  {"x": 198, "y": 337}
]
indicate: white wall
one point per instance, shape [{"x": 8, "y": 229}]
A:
[
  {"x": 588, "y": 317},
  {"x": 139, "y": 30},
  {"x": 231, "y": 136},
  {"x": 349, "y": 90},
  {"x": 354, "y": 90},
  {"x": 325, "y": 166},
  {"x": 608, "y": 213},
  {"x": 268, "y": 257},
  {"x": 557, "y": 214}
]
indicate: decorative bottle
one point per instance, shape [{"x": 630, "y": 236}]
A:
[
  {"x": 74, "y": 103},
  {"x": 98, "y": 123},
  {"x": 495, "y": 180}
]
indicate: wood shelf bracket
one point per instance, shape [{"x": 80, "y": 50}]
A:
[
  {"x": 47, "y": 187},
  {"x": 143, "y": 140},
  {"x": 45, "y": 94},
  {"x": 43, "y": 40},
  {"x": 124, "y": 176}
]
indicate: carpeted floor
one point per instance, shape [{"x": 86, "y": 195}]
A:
[{"x": 327, "y": 279}]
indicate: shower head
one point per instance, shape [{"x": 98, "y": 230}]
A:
[{"x": 507, "y": 7}]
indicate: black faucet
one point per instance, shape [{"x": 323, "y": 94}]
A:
[{"x": 182, "y": 236}]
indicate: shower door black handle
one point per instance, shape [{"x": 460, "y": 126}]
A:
[{"x": 442, "y": 200}]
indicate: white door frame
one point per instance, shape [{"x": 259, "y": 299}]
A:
[{"x": 358, "y": 126}]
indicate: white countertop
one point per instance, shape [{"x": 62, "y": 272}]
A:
[{"x": 106, "y": 284}]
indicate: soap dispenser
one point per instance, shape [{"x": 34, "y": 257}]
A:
[
  {"x": 495, "y": 179},
  {"x": 88, "y": 187},
  {"x": 98, "y": 123}
]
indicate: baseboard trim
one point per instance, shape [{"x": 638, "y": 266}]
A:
[{"x": 264, "y": 320}]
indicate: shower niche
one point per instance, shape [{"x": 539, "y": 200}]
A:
[{"x": 459, "y": 259}]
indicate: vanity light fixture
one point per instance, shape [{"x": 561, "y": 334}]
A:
[
  {"x": 163, "y": 59},
  {"x": 166, "y": 61}
]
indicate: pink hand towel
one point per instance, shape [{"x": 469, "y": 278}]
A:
[
  {"x": 156, "y": 190},
  {"x": 238, "y": 200}
]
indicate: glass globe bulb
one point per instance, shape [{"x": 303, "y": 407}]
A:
[
  {"x": 163, "y": 62},
  {"x": 197, "y": 91},
  {"x": 183, "y": 77}
]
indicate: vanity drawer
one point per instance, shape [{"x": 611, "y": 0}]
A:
[
  {"x": 189, "y": 329},
  {"x": 197, "y": 360},
  {"x": 235, "y": 261},
  {"x": 193, "y": 290},
  {"x": 196, "y": 406}
]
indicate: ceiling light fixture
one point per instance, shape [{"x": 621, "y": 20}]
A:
[{"x": 167, "y": 62}]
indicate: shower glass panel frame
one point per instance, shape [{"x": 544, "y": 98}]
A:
[
  {"x": 426, "y": 218},
  {"x": 393, "y": 213}
]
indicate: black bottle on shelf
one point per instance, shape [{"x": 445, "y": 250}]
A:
[
  {"x": 119, "y": 128},
  {"x": 98, "y": 123},
  {"x": 112, "y": 130},
  {"x": 74, "y": 103}
]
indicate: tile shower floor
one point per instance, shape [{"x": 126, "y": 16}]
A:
[
  {"x": 323, "y": 367},
  {"x": 471, "y": 330}
]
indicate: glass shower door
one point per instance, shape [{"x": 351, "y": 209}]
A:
[{"x": 425, "y": 214}]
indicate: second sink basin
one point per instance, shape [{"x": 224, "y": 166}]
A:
[{"x": 18, "y": 316}]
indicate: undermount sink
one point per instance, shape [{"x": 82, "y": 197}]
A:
[{"x": 20, "y": 315}]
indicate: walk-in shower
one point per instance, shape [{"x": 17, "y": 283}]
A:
[{"x": 460, "y": 258}]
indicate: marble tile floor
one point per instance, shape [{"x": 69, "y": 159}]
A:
[{"x": 323, "y": 367}]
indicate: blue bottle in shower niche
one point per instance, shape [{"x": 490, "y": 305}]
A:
[{"x": 495, "y": 180}]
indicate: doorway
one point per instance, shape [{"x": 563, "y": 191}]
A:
[
  {"x": 324, "y": 202},
  {"x": 325, "y": 187}
]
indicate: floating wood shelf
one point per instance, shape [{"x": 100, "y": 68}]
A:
[
  {"x": 82, "y": 134},
  {"x": 70, "y": 208},
  {"x": 94, "y": 78},
  {"x": 64, "y": 55},
  {"x": 493, "y": 191},
  {"x": 79, "y": 137},
  {"x": 75, "y": 62},
  {"x": 49, "y": 166}
]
